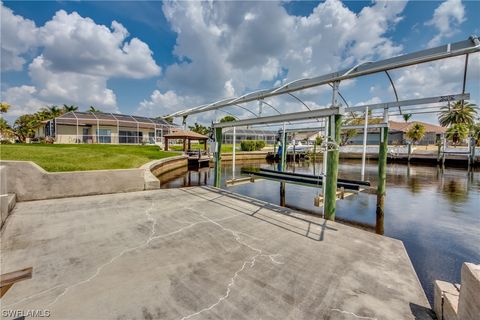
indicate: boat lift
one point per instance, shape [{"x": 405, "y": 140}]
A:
[{"x": 333, "y": 115}]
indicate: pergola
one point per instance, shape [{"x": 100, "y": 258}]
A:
[
  {"x": 331, "y": 117},
  {"x": 187, "y": 137}
]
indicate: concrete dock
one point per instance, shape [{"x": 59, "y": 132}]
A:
[{"x": 201, "y": 253}]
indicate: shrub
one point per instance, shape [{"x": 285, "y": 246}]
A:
[
  {"x": 252, "y": 145},
  {"x": 5, "y": 141},
  {"x": 247, "y": 145},
  {"x": 259, "y": 144}
]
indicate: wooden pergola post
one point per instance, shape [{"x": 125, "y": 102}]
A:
[
  {"x": 166, "y": 144},
  {"x": 189, "y": 144}
]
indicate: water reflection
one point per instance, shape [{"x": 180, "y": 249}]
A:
[
  {"x": 433, "y": 210},
  {"x": 455, "y": 190}
]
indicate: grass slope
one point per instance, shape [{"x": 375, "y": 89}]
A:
[{"x": 68, "y": 157}]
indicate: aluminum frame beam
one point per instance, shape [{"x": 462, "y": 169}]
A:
[
  {"x": 317, "y": 129},
  {"x": 314, "y": 114},
  {"x": 321, "y": 113},
  {"x": 470, "y": 45},
  {"x": 410, "y": 102}
]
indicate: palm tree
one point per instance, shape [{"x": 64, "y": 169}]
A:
[
  {"x": 475, "y": 133},
  {"x": 50, "y": 112},
  {"x": 416, "y": 132},
  {"x": 93, "y": 109},
  {"x": 406, "y": 116},
  {"x": 457, "y": 133},
  {"x": 460, "y": 113},
  {"x": 4, "y": 106},
  {"x": 69, "y": 108},
  {"x": 25, "y": 126},
  {"x": 228, "y": 119},
  {"x": 6, "y": 130}
]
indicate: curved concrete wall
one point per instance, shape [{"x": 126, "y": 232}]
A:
[
  {"x": 31, "y": 182},
  {"x": 155, "y": 168}
]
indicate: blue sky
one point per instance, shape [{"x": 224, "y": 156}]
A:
[{"x": 152, "y": 58}]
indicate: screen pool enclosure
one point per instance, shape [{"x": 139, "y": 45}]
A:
[{"x": 329, "y": 119}]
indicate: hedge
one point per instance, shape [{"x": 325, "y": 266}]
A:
[{"x": 252, "y": 145}]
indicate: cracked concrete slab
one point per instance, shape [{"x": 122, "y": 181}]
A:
[{"x": 201, "y": 253}]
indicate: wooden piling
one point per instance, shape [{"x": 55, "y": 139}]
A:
[
  {"x": 332, "y": 170},
  {"x": 382, "y": 174}
]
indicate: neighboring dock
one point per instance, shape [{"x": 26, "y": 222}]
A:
[{"x": 198, "y": 253}]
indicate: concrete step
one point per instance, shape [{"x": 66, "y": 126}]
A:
[
  {"x": 12, "y": 200},
  {"x": 446, "y": 300},
  {"x": 469, "y": 306}
]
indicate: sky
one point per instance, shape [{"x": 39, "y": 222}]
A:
[{"x": 154, "y": 58}]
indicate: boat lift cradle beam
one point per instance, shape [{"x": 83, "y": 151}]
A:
[{"x": 464, "y": 47}]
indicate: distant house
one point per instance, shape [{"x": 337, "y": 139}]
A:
[
  {"x": 107, "y": 128},
  {"x": 397, "y": 134}
]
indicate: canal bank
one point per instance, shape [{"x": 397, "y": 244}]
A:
[{"x": 205, "y": 253}]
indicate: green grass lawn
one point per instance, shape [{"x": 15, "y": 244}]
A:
[{"x": 71, "y": 157}]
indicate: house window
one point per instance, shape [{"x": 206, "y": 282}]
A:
[
  {"x": 130, "y": 137},
  {"x": 104, "y": 135},
  {"x": 151, "y": 137}
]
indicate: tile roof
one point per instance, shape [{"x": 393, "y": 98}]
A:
[{"x": 404, "y": 126}]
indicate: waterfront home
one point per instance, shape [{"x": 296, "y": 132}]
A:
[
  {"x": 108, "y": 128},
  {"x": 397, "y": 134}
]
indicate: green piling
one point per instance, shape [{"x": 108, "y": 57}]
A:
[
  {"x": 332, "y": 172},
  {"x": 218, "y": 158},
  {"x": 382, "y": 173}
]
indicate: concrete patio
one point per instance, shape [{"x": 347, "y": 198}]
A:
[{"x": 201, "y": 253}]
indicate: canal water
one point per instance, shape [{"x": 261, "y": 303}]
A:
[{"x": 435, "y": 212}]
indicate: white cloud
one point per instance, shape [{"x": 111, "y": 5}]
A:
[
  {"x": 24, "y": 96},
  {"x": 72, "y": 43},
  {"x": 19, "y": 36},
  {"x": 253, "y": 44},
  {"x": 76, "y": 59},
  {"x": 446, "y": 19},
  {"x": 70, "y": 88},
  {"x": 161, "y": 103}
]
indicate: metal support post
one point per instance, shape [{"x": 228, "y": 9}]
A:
[
  {"x": 473, "y": 151},
  {"x": 283, "y": 159},
  {"x": 233, "y": 152},
  {"x": 364, "y": 152},
  {"x": 184, "y": 122},
  {"x": 218, "y": 157},
  {"x": 444, "y": 149}
]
